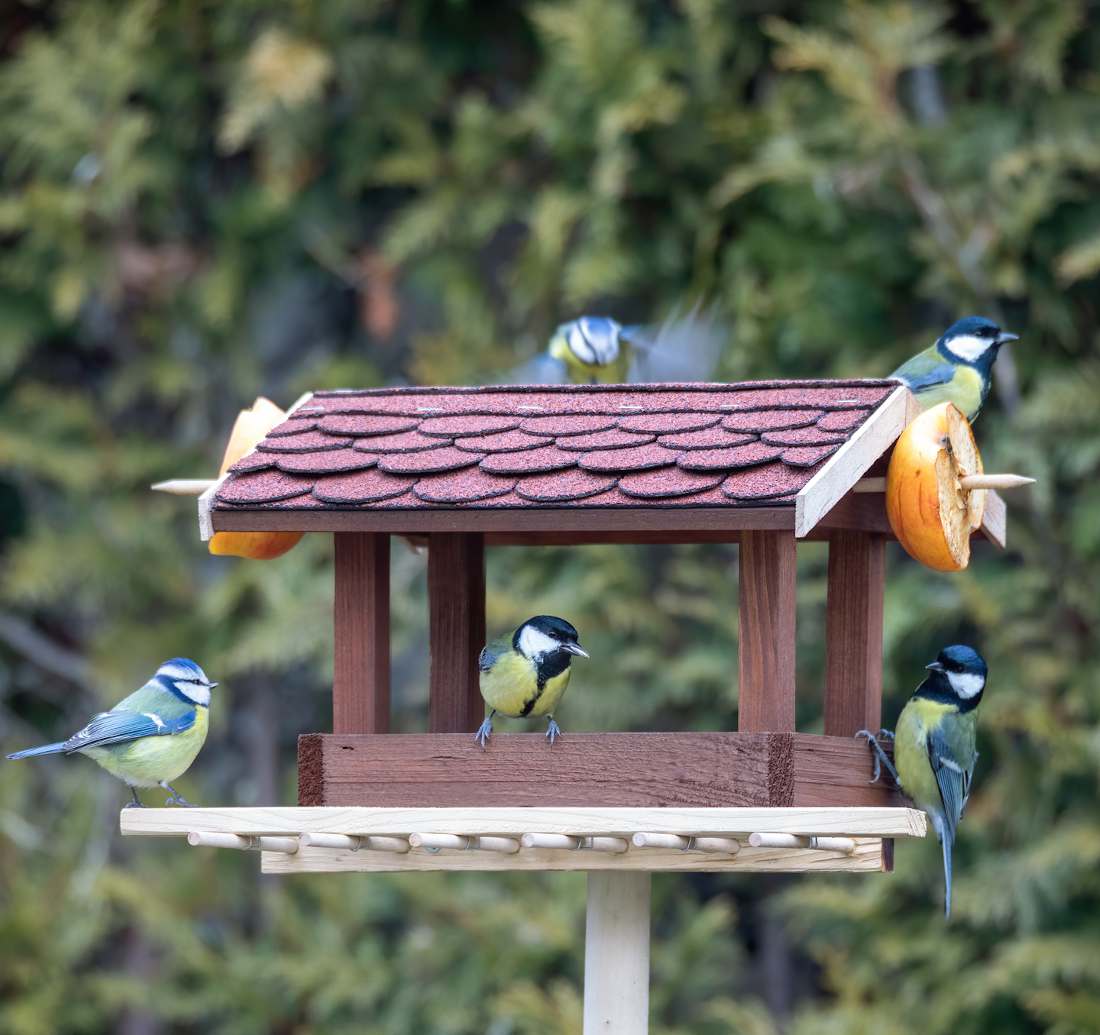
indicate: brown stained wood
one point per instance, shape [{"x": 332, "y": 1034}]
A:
[
  {"x": 836, "y": 771},
  {"x": 853, "y": 633},
  {"x": 485, "y": 520},
  {"x": 361, "y": 633},
  {"x": 456, "y": 631},
  {"x": 624, "y": 770},
  {"x": 766, "y": 620}
]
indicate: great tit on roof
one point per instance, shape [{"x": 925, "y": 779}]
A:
[
  {"x": 150, "y": 737},
  {"x": 527, "y": 673},
  {"x": 934, "y": 744},
  {"x": 958, "y": 368},
  {"x": 600, "y": 350}
]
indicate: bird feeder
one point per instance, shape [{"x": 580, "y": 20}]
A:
[{"x": 759, "y": 466}]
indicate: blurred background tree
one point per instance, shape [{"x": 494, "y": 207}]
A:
[{"x": 200, "y": 202}]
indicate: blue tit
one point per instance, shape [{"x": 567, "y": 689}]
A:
[
  {"x": 527, "y": 673},
  {"x": 958, "y": 368},
  {"x": 593, "y": 350},
  {"x": 150, "y": 737},
  {"x": 934, "y": 744}
]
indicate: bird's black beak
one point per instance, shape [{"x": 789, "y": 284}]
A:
[
  {"x": 575, "y": 648},
  {"x": 210, "y": 686},
  {"x": 936, "y": 666},
  {"x": 1006, "y": 336}
]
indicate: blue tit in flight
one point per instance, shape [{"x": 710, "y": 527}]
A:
[
  {"x": 934, "y": 744},
  {"x": 527, "y": 673},
  {"x": 958, "y": 368},
  {"x": 593, "y": 350},
  {"x": 150, "y": 737}
]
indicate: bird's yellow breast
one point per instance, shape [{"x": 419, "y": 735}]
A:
[
  {"x": 511, "y": 687},
  {"x": 148, "y": 761}
]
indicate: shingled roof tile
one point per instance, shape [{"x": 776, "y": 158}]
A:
[
  {"x": 563, "y": 487},
  {"x": 520, "y": 446},
  {"x": 749, "y": 455},
  {"x": 502, "y": 442},
  {"x": 709, "y": 438},
  {"x": 366, "y": 487},
  {"x": 329, "y": 461},
  {"x": 464, "y": 486},
  {"x": 361, "y": 425},
  {"x": 771, "y": 420},
  {"x": 613, "y": 439},
  {"x": 667, "y": 423},
  {"x": 637, "y": 458},
  {"x": 530, "y": 461},
  {"x": 667, "y": 482},
  {"x": 474, "y": 424},
  {"x": 428, "y": 461},
  {"x": 564, "y": 426}
]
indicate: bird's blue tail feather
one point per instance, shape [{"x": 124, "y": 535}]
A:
[
  {"x": 45, "y": 749},
  {"x": 947, "y": 844}
]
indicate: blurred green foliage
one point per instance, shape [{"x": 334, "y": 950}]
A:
[{"x": 200, "y": 202}]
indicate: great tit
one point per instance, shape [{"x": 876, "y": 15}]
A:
[
  {"x": 527, "y": 673},
  {"x": 934, "y": 744},
  {"x": 149, "y": 738},
  {"x": 958, "y": 368}
]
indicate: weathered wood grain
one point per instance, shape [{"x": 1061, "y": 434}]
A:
[
  {"x": 766, "y": 620},
  {"x": 361, "y": 633},
  {"x": 835, "y": 771}
]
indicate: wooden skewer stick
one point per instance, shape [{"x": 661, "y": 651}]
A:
[
  {"x": 211, "y": 839},
  {"x": 184, "y": 486},
  {"x": 825, "y": 844},
  {"x": 995, "y": 481},
  {"x": 434, "y": 842},
  {"x": 352, "y": 843},
  {"x": 550, "y": 841}
]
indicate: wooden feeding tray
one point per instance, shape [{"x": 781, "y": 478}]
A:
[{"x": 356, "y": 839}]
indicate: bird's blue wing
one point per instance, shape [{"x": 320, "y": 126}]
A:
[
  {"x": 488, "y": 656},
  {"x": 952, "y": 778},
  {"x": 918, "y": 373},
  {"x": 118, "y": 727}
]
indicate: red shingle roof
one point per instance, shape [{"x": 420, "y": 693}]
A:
[{"x": 749, "y": 444}]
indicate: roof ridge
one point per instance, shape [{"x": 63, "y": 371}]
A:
[{"x": 613, "y": 389}]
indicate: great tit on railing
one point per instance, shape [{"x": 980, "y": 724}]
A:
[
  {"x": 934, "y": 744},
  {"x": 152, "y": 736},
  {"x": 527, "y": 673},
  {"x": 958, "y": 368}
]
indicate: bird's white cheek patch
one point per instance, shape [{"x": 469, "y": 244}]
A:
[
  {"x": 533, "y": 642},
  {"x": 966, "y": 684},
  {"x": 198, "y": 694},
  {"x": 969, "y": 347}
]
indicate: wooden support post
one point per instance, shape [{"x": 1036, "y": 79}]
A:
[
  {"x": 616, "y": 954},
  {"x": 456, "y": 606},
  {"x": 853, "y": 633},
  {"x": 766, "y": 617},
  {"x": 361, "y": 630}
]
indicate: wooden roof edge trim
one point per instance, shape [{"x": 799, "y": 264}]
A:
[
  {"x": 206, "y": 500},
  {"x": 852, "y": 460}
]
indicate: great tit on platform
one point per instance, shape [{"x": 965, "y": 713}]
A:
[
  {"x": 152, "y": 736},
  {"x": 527, "y": 673},
  {"x": 934, "y": 744},
  {"x": 958, "y": 368}
]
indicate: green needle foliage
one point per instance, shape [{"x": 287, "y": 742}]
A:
[{"x": 201, "y": 202}]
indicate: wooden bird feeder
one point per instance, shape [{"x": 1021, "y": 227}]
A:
[{"x": 758, "y": 465}]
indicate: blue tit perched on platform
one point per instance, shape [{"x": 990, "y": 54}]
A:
[
  {"x": 958, "y": 368},
  {"x": 152, "y": 736},
  {"x": 934, "y": 744},
  {"x": 527, "y": 673}
]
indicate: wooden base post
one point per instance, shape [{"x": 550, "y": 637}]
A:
[{"x": 616, "y": 954}]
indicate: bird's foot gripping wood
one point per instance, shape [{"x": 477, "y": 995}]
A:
[
  {"x": 136, "y": 803},
  {"x": 879, "y": 757},
  {"x": 553, "y": 730},
  {"x": 484, "y": 732},
  {"x": 176, "y": 798}
]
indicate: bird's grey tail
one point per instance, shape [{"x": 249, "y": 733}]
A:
[
  {"x": 45, "y": 749},
  {"x": 947, "y": 842}
]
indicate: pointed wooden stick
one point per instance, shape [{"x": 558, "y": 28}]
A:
[
  {"x": 995, "y": 481},
  {"x": 184, "y": 486}
]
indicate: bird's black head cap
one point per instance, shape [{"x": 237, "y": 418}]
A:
[
  {"x": 957, "y": 676},
  {"x": 975, "y": 341}
]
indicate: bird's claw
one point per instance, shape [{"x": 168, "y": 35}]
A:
[
  {"x": 180, "y": 801},
  {"x": 133, "y": 805},
  {"x": 878, "y": 756},
  {"x": 484, "y": 732},
  {"x": 553, "y": 731}
]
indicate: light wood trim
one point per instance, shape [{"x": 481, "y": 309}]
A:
[
  {"x": 995, "y": 519},
  {"x": 616, "y": 955},
  {"x": 858, "y": 821},
  {"x": 851, "y": 461}
]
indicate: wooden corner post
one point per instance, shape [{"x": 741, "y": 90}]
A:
[
  {"x": 616, "y": 954},
  {"x": 361, "y": 633},
  {"x": 456, "y": 629},
  {"x": 766, "y": 619},
  {"x": 853, "y": 633}
]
